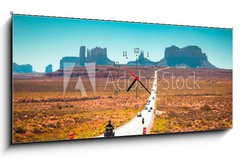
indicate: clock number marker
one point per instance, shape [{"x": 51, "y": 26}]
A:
[{"x": 136, "y": 50}]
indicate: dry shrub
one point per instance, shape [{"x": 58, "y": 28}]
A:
[
  {"x": 20, "y": 130},
  {"x": 205, "y": 108}
]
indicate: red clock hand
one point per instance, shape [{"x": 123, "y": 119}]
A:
[{"x": 135, "y": 77}]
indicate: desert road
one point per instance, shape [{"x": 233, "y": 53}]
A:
[{"x": 136, "y": 126}]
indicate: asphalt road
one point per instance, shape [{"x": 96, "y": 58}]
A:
[{"x": 136, "y": 126}]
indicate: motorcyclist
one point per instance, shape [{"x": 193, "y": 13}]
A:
[{"x": 109, "y": 129}]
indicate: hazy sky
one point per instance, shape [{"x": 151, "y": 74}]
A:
[{"x": 40, "y": 41}]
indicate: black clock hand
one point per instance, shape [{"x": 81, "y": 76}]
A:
[
  {"x": 144, "y": 86},
  {"x": 131, "y": 85}
]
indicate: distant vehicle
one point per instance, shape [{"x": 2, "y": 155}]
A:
[
  {"x": 139, "y": 114},
  {"x": 148, "y": 102}
]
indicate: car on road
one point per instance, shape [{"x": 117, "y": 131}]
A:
[
  {"x": 139, "y": 114},
  {"x": 148, "y": 102}
]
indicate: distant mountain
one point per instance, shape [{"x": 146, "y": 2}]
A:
[
  {"x": 189, "y": 57},
  {"x": 27, "y": 68},
  {"x": 97, "y": 54},
  {"x": 48, "y": 69},
  {"x": 68, "y": 61},
  {"x": 142, "y": 61}
]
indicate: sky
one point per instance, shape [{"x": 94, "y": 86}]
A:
[{"x": 40, "y": 41}]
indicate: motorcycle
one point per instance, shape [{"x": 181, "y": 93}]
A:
[{"x": 109, "y": 132}]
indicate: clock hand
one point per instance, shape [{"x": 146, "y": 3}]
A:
[
  {"x": 136, "y": 79},
  {"x": 131, "y": 85},
  {"x": 144, "y": 86}
]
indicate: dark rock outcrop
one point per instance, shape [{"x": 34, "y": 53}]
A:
[
  {"x": 48, "y": 69},
  {"x": 69, "y": 61},
  {"x": 97, "y": 54},
  {"x": 188, "y": 57},
  {"x": 82, "y": 55},
  {"x": 142, "y": 61},
  {"x": 27, "y": 68}
]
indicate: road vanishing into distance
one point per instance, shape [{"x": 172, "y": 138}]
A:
[{"x": 136, "y": 126}]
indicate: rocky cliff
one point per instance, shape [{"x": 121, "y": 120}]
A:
[
  {"x": 97, "y": 54},
  {"x": 68, "y": 61},
  {"x": 27, "y": 68},
  {"x": 142, "y": 61},
  {"x": 189, "y": 57},
  {"x": 48, "y": 69}
]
